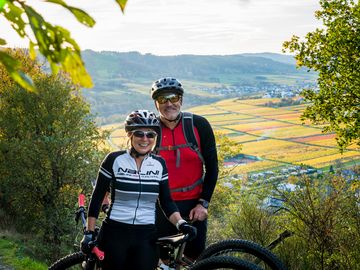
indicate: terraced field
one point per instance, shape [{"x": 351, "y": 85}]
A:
[{"x": 274, "y": 137}]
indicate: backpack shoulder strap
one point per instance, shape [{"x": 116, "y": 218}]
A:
[
  {"x": 189, "y": 132},
  {"x": 188, "y": 128}
]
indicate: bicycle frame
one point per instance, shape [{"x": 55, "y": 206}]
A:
[{"x": 176, "y": 246}]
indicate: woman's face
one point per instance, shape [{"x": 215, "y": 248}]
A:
[{"x": 143, "y": 139}]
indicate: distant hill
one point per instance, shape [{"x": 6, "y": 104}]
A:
[
  {"x": 123, "y": 80},
  {"x": 282, "y": 58},
  {"x": 133, "y": 65}
]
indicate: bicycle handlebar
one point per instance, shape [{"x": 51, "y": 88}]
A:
[
  {"x": 81, "y": 211},
  {"x": 98, "y": 253}
]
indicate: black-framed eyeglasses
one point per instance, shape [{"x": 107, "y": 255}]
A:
[
  {"x": 140, "y": 134},
  {"x": 172, "y": 98}
]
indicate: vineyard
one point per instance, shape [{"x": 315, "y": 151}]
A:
[{"x": 275, "y": 137}]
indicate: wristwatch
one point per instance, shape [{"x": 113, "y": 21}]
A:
[{"x": 204, "y": 203}]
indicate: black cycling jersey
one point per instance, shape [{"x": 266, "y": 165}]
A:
[{"x": 133, "y": 192}]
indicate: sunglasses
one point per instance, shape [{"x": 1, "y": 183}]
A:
[
  {"x": 141, "y": 134},
  {"x": 172, "y": 98}
]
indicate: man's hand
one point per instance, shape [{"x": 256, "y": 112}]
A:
[{"x": 198, "y": 213}]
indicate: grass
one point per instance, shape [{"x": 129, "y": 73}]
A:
[{"x": 12, "y": 254}]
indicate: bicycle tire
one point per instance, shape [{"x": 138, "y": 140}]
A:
[
  {"x": 72, "y": 260},
  {"x": 224, "y": 262},
  {"x": 237, "y": 247}
]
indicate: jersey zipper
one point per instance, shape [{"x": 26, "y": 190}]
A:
[{"x": 140, "y": 186}]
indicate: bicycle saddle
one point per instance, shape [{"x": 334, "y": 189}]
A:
[{"x": 172, "y": 239}]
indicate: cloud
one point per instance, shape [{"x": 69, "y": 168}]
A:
[{"x": 198, "y": 27}]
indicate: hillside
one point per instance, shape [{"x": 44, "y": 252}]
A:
[
  {"x": 212, "y": 68},
  {"x": 273, "y": 139},
  {"x": 123, "y": 80}
]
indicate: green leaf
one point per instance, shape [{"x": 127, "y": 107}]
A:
[
  {"x": 12, "y": 66},
  {"x": 56, "y": 44},
  {"x": 80, "y": 15},
  {"x": 122, "y": 4},
  {"x": 2, "y": 3},
  {"x": 8, "y": 61},
  {"x": 14, "y": 15},
  {"x": 2, "y": 41},
  {"x": 23, "y": 80}
]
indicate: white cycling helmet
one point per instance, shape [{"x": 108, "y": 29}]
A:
[{"x": 140, "y": 119}]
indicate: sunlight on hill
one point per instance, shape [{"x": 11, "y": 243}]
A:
[{"x": 274, "y": 135}]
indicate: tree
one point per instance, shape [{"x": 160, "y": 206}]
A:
[
  {"x": 224, "y": 194},
  {"x": 53, "y": 42},
  {"x": 333, "y": 52},
  {"x": 226, "y": 148},
  {"x": 50, "y": 149},
  {"x": 324, "y": 216}
]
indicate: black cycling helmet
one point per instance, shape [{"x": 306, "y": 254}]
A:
[
  {"x": 166, "y": 85},
  {"x": 142, "y": 119}
]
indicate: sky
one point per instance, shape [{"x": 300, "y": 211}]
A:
[{"x": 173, "y": 27}]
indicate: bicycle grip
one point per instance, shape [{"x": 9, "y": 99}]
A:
[
  {"x": 98, "y": 253},
  {"x": 81, "y": 200}
]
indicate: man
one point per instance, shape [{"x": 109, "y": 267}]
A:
[{"x": 191, "y": 187}]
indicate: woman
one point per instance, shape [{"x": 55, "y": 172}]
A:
[{"x": 136, "y": 178}]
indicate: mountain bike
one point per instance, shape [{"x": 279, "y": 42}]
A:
[
  {"x": 176, "y": 243},
  {"x": 221, "y": 255}
]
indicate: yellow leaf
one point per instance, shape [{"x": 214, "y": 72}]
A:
[
  {"x": 32, "y": 51},
  {"x": 122, "y": 4}
]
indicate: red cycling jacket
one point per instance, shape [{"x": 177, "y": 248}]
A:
[{"x": 185, "y": 168}]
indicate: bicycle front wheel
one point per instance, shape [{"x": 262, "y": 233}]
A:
[
  {"x": 224, "y": 262},
  {"x": 72, "y": 261},
  {"x": 243, "y": 249}
]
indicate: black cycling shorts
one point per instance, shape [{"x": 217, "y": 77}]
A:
[{"x": 128, "y": 246}]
